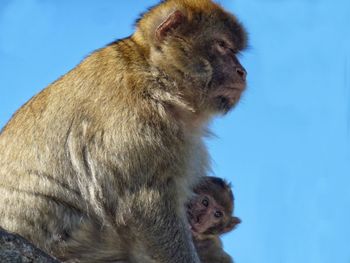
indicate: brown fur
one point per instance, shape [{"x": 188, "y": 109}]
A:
[{"x": 97, "y": 166}]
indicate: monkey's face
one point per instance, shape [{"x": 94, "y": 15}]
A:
[
  {"x": 201, "y": 54},
  {"x": 207, "y": 217},
  {"x": 228, "y": 79}
]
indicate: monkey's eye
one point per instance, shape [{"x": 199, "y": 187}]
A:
[
  {"x": 218, "y": 214},
  {"x": 224, "y": 48},
  {"x": 222, "y": 44},
  {"x": 205, "y": 202}
]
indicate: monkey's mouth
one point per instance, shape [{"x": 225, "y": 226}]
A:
[{"x": 232, "y": 92}]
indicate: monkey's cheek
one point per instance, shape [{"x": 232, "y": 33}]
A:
[
  {"x": 193, "y": 225},
  {"x": 193, "y": 230}
]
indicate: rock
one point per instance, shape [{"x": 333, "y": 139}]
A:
[{"x": 15, "y": 249}]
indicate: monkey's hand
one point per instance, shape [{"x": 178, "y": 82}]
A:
[{"x": 168, "y": 238}]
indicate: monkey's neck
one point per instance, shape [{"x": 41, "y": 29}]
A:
[
  {"x": 169, "y": 94},
  {"x": 159, "y": 90}
]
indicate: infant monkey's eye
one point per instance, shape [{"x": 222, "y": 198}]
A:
[
  {"x": 205, "y": 202},
  {"x": 218, "y": 214},
  {"x": 222, "y": 43}
]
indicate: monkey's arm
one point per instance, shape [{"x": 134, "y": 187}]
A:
[{"x": 165, "y": 232}]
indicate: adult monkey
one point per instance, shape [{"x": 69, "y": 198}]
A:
[{"x": 97, "y": 167}]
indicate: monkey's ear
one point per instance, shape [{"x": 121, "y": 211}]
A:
[
  {"x": 172, "y": 22},
  {"x": 234, "y": 221}
]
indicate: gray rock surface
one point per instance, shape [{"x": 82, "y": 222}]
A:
[{"x": 15, "y": 249}]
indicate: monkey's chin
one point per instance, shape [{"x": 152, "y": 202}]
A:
[
  {"x": 225, "y": 104},
  {"x": 225, "y": 99}
]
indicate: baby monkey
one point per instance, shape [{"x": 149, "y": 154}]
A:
[{"x": 209, "y": 214}]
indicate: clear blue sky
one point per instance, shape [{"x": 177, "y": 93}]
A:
[{"x": 286, "y": 148}]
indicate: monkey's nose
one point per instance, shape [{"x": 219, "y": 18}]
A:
[{"x": 242, "y": 73}]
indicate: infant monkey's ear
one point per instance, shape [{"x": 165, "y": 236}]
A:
[{"x": 232, "y": 224}]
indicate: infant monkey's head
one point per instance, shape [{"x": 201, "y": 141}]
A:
[{"x": 210, "y": 211}]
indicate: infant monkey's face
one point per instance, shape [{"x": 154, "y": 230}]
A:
[{"x": 206, "y": 215}]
